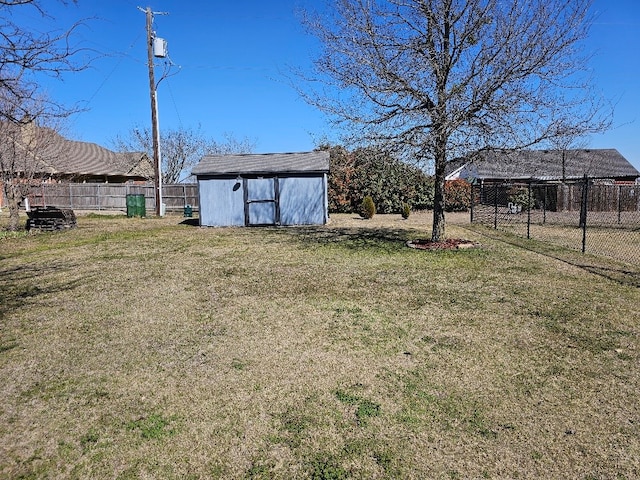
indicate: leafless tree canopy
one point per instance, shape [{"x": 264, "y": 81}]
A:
[
  {"x": 25, "y": 153},
  {"x": 435, "y": 79},
  {"x": 25, "y": 53},
  {"x": 180, "y": 149}
]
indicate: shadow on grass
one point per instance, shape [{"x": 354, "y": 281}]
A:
[
  {"x": 191, "y": 222},
  {"x": 621, "y": 273},
  {"x": 23, "y": 284},
  {"x": 380, "y": 239}
]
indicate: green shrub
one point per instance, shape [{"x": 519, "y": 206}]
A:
[
  {"x": 368, "y": 208},
  {"x": 406, "y": 210},
  {"x": 367, "y": 171}
]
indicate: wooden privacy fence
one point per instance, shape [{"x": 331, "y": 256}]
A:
[{"x": 110, "y": 196}]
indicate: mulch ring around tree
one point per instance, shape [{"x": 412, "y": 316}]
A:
[{"x": 448, "y": 244}]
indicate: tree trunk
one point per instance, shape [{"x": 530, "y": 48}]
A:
[
  {"x": 438, "y": 232},
  {"x": 13, "y": 195}
]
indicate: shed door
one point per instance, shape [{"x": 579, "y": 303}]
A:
[{"x": 261, "y": 201}]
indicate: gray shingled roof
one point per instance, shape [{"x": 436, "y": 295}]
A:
[
  {"x": 60, "y": 156},
  {"x": 72, "y": 157},
  {"x": 263, "y": 163},
  {"x": 546, "y": 165}
]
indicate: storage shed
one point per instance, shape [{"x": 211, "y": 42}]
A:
[{"x": 263, "y": 189}]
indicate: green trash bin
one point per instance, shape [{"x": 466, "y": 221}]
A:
[
  {"x": 136, "y": 206},
  {"x": 188, "y": 211}
]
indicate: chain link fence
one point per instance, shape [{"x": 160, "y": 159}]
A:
[{"x": 593, "y": 215}]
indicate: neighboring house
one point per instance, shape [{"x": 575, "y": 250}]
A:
[
  {"x": 263, "y": 189},
  {"x": 60, "y": 160},
  {"x": 75, "y": 161},
  {"x": 557, "y": 178},
  {"x": 498, "y": 166},
  {"x": 63, "y": 160}
]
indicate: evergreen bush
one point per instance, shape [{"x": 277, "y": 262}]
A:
[
  {"x": 406, "y": 210},
  {"x": 368, "y": 209}
]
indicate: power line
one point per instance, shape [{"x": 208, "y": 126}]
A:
[{"x": 110, "y": 74}]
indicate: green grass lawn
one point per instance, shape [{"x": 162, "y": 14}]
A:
[{"x": 145, "y": 348}]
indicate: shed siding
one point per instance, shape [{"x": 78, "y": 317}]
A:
[
  {"x": 302, "y": 200},
  {"x": 221, "y": 202}
]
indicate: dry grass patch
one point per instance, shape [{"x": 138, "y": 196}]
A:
[{"x": 150, "y": 349}]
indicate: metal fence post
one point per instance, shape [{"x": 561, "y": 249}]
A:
[
  {"x": 544, "y": 206},
  {"x": 619, "y": 204},
  {"x": 495, "y": 209},
  {"x": 529, "y": 210},
  {"x": 583, "y": 213},
  {"x": 473, "y": 194}
]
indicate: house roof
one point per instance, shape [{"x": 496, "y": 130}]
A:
[
  {"x": 71, "y": 157},
  {"x": 60, "y": 156},
  {"x": 263, "y": 163},
  {"x": 543, "y": 165}
]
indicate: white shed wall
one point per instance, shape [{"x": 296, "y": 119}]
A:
[
  {"x": 302, "y": 201},
  {"x": 221, "y": 202}
]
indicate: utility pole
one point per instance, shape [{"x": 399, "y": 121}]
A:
[{"x": 155, "y": 129}]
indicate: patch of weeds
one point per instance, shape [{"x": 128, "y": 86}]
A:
[
  {"x": 326, "y": 467},
  {"x": 364, "y": 408},
  {"x": 238, "y": 364},
  {"x": 7, "y": 234},
  {"x": 624, "y": 356},
  {"x": 89, "y": 440},
  {"x": 65, "y": 451},
  {"x": 153, "y": 427},
  {"x": 259, "y": 471},
  {"x": 294, "y": 424},
  {"x": 427, "y": 405},
  {"x": 478, "y": 423},
  {"x": 217, "y": 470},
  {"x": 346, "y": 397},
  {"x": 367, "y": 409},
  {"x": 8, "y": 345},
  {"x": 348, "y": 310},
  {"x": 355, "y": 448},
  {"x": 385, "y": 460}
]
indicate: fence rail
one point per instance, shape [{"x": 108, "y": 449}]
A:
[
  {"x": 109, "y": 196},
  {"x": 590, "y": 215}
]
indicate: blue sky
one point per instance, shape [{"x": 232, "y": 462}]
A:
[{"x": 234, "y": 57}]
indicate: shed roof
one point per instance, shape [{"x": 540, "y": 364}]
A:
[
  {"x": 545, "y": 164},
  {"x": 263, "y": 163}
]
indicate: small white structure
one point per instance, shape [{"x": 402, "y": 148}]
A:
[{"x": 159, "y": 47}]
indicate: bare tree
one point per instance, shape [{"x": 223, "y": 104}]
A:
[
  {"x": 26, "y": 52},
  {"x": 26, "y": 115},
  {"x": 180, "y": 149},
  {"x": 26, "y": 150},
  {"x": 437, "y": 79}
]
